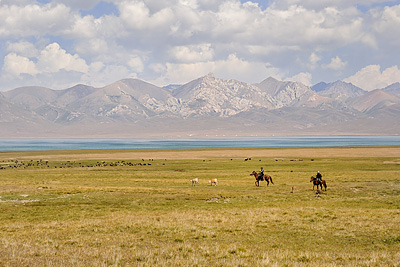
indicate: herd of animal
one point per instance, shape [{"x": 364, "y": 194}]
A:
[{"x": 195, "y": 181}]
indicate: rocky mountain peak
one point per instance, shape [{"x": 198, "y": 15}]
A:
[
  {"x": 210, "y": 75},
  {"x": 341, "y": 91},
  {"x": 373, "y": 99},
  {"x": 208, "y": 102},
  {"x": 319, "y": 87},
  {"x": 286, "y": 93},
  {"x": 393, "y": 88}
]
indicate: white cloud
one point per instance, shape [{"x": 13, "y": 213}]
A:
[
  {"x": 17, "y": 65},
  {"x": 232, "y": 16},
  {"x": 189, "y": 3},
  {"x": 326, "y": 28},
  {"x": 137, "y": 16},
  {"x": 33, "y": 20},
  {"x": 93, "y": 47},
  {"x": 271, "y": 49},
  {"x": 16, "y": 2},
  {"x": 386, "y": 25},
  {"x": 336, "y": 64},
  {"x": 23, "y": 48},
  {"x": 314, "y": 58},
  {"x": 53, "y": 59},
  {"x": 100, "y": 74},
  {"x": 371, "y": 77},
  {"x": 136, "y": 64},
  {"x": 85, "y": 27},
  {"x": 231, "y": 38},
  {"x": 192, "y": 53},
  {"x": 79, "y": 4},
  {"x": 321, "y": 4},
  {"x": 304, "y": 78},
  {"x": 313, "y": 61}
]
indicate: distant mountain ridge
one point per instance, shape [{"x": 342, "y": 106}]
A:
[
  {"x": 393, "y": 88},
  {"x": 339, "y": 90},
  {"x": 205, "y": 106}
]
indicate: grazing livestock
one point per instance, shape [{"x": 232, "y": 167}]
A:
[
  {"x": 213, "y": 181},
  {"x": 318, "y": 193},
  {"x": 194, "y": 181},
  {"x": 293, "y": 188}
]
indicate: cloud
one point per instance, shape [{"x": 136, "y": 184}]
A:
[
  {"x": 137, "y": 16},
  {"x": 53, "y": 59},
  {"x": 192, "y": 53},
  {"x": 313, "y": 60},
  {"x": 160, "y": 40},
  {"x": 17, "y": 65},
  {"x": 371, "y": 77},
  {"x": 79, "y": 4},
  {"x": 386, "y": 25},
  {"x": 33, "y": 20},
  {"x": 321, "y": 4},
  {"x": 100, "y": 74},
  {"x": 23, "y": 48},
  {"x": 304, "y": 78},
  {"x": 336, "y": 64},
  {"x": 136, "y": 64}
]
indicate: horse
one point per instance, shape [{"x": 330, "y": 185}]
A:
[
  {"x": 265, "y": 177},
  {"x": 317, "y": 183}
]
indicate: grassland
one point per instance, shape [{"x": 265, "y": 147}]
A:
[{"x": 138, "y": 208}]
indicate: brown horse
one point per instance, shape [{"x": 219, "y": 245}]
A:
[
  {"x": 265, "y": 177},
  {"x": 317, "y": 183}
]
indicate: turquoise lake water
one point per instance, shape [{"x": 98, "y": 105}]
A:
[{"x": 182, "y": 143}]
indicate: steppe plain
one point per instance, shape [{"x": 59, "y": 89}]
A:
[{"x": 138, "y": 208}]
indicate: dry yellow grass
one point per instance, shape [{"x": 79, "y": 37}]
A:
[{"x": 150, "y": 215}]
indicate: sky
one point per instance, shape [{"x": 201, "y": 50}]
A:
[{"x": 58, "y": 44}]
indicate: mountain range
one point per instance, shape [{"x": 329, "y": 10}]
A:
[{"x": 207, "y": 106}]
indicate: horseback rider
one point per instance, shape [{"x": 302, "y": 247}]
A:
[
  {"x": 319, "y": 176},
  {"x": 261, "y": 174}
]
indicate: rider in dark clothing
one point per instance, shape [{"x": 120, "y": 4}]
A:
[
  {"x": 319, "y": 176},
  {"x": 261, "y": 173}
]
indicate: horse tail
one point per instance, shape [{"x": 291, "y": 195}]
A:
[{"x": 271, "y": 180}]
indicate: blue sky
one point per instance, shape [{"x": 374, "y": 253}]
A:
[{"x": 58, "y": 44}]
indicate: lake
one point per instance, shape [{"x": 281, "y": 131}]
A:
[{"x": 195, "y": 142}]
